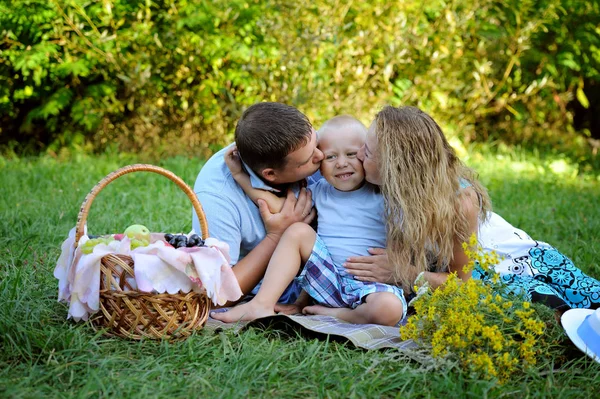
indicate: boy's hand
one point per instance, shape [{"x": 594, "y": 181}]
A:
[{"x": 233, "y": 161}]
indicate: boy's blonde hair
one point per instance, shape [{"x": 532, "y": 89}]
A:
[
  {"x": 421, "y": 177},
  {"x": 342, "y": 121}
]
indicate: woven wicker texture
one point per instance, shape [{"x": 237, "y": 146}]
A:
[{"x": 129, "y": 313}]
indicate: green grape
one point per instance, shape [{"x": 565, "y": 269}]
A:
[
  {"x": 138, "y": 243},
  {"x": 88, "y": 246}
]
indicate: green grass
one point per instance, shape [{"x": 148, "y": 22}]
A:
[{"x": 44, "y": 355}]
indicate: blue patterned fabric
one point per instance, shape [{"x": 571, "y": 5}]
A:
[
  {"x": 333, "y": 286},
  {"x": 546, "y": 275}
]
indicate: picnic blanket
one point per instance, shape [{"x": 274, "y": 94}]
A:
[{"x": 366, "y": 336}]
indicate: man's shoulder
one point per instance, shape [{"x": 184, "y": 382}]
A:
[{"x": 214, "y": 177}]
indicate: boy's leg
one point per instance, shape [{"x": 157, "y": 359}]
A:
[
  {"x": 383, "y": 308},
  {"x": 293, "y": 249}
]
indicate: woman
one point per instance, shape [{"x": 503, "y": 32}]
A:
[{"x": 436, "y": 203}]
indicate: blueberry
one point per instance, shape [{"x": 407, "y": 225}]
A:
[
  {"x": 91, "y": 237},
  {"x": 200, "y": 243},
  {"x": 168, "y": 237}
]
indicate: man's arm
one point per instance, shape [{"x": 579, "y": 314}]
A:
[
  {"x": 250, "y": 270},
  {"x": 225, "y": 224}
]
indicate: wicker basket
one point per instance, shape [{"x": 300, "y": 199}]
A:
[{"x": 129, "y": 313}]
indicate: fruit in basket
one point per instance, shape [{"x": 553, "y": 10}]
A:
[
  {"x": 135, "y": 243},
  {"x": 195, "y": 241},
  {"x": 181, "y": 240},
  {"x": 88, "y": 246},
  {"x": 138, "y": 231}
]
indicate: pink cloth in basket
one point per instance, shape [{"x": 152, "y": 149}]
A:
[{"x": 158, "y": 268}]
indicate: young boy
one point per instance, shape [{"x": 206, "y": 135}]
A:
[{"x": 350, "y": 220}]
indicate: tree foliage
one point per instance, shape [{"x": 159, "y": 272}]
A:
[{"x": 169, "y": 76}]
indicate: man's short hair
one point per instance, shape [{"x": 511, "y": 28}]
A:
[{"x": 267, "y": 132}]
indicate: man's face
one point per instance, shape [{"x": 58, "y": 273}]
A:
[{"x": 299, "y": 164}]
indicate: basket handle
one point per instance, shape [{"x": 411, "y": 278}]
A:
[{"x": 87, "y": 202}]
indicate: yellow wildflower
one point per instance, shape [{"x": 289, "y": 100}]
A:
[{"x": 470, "y": 322}]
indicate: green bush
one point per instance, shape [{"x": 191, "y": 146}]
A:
[{"x": 173, "y": 76}]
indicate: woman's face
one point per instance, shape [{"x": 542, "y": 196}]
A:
[{"x": 368, "y": 156}]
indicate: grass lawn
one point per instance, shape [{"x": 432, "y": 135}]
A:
[{"x": 44, "y": 355}]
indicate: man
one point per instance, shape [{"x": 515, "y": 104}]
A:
[{"x": 278, "y": 147}]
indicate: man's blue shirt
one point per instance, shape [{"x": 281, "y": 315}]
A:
[{"x": 231, "y": 215}]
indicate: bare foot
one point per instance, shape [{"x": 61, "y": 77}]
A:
[
  {"x": 324, "y": 311},
  {"x": 244, "y": 312}
]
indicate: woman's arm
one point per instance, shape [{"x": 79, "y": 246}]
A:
[
  {"x": 377, "y": 267},
  {"x": 470, "y": 207},
  {"x": 234, "y": 164}
]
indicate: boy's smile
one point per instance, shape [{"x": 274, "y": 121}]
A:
[
  {"x": 344, "y": 176},
  {"x": 340, "y": 165}
]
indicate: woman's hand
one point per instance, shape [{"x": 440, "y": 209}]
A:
[{"x": 374, "y": 268}]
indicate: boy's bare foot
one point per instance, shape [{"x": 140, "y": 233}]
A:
[{"x": 244, "y": 312}]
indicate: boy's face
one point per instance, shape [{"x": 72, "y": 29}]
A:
[{"x": 340, "y": 166}]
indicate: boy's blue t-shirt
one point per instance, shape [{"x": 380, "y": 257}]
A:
[{"x": 349, "y": 222}]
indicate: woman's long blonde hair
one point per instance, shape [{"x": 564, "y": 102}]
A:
[{"x": 421, "y": 176}]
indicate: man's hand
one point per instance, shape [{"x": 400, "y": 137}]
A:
[
  {"x": 374, "y": 268},
  {"x": 294, "y": 210},
  {"x": 292, "y": 308},
  {"x": 295, "y": 308}
]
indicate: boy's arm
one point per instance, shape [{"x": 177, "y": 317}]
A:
[{"x": 235, "y": 167}]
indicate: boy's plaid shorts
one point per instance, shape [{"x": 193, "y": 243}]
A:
[{"x": 331, "y": 285}]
